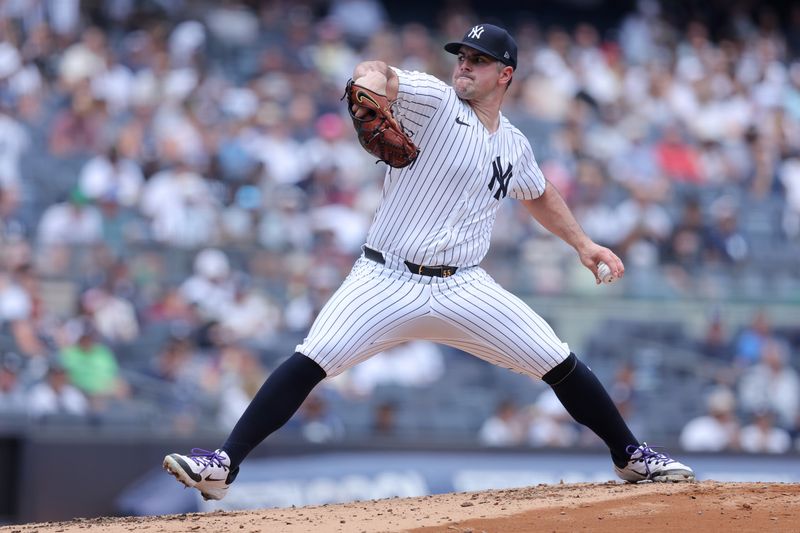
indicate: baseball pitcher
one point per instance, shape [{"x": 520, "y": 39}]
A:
[{"x": 453, "y": 159}]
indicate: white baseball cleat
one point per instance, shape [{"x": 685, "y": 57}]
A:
[
  {"x": 647, "y": 464},
  {"x": 208, "y": 472}
]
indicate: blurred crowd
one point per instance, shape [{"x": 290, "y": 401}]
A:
[
  {"x": 747, "y": 398},
  {"x": 181, "y": 190}
]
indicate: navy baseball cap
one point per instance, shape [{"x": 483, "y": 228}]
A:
[{"x": 492, "y": 40}]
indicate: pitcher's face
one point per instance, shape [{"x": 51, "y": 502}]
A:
[{"x": 475, "y": 74}]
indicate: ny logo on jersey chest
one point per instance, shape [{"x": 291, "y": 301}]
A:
[{"x": 502, "y": 177}]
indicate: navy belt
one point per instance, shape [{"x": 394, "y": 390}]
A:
[{"x": 440, "y": 271}]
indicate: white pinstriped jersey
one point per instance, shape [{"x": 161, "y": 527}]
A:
[{"x": 441, "y": 209}]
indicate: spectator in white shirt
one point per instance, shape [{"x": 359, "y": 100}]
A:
[
  {"x": 282, "y": 155},
  {"x": 762, "y": 436},
  {"x": 112, "y": 316},
  {"x": 772, "y": 384},
  {"x": 107, "y": 176},
  {"x": 551, "y": 425},
  {"x": 74, "y": 222},
  {"x": 717, "y": 430},
  {"x": 56, "y": 395},
  {"x": 413, "y": 364},
  {"x": 181, "y": 207},
  {"x": 14, "y": 141},
  {"x": 211, "y": 288},
  {"x": 249, "y": 315},
  {"x": 506, "y": 427},
  {"x": 84, "y": 59},
  {"x": 15, "y": 302}
]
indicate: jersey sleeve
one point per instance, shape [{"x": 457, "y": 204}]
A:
[
  {"x": 419, "y": 95},
  {"x": 528, "y": 182}
]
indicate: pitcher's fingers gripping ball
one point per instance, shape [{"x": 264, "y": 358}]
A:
[
  {"x": 604, "y": 273},
  {"x": 378, "y": 131}
]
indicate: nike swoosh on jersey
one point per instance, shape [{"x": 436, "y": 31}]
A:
[{"x": 460, "y": 122}]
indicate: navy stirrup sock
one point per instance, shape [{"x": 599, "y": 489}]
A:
[
  {"x": 276, "y": 401},
  {"x": 587, "y": 401}
]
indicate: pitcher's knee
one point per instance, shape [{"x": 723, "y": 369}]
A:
[{"x": 559, "y": 372}]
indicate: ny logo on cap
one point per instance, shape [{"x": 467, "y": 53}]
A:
[{"x": 475, "y": 32}]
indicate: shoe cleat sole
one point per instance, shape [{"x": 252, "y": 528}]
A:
[{"x": 675, "y": 477}]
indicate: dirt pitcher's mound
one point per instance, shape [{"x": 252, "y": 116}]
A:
[{"x": 704, "y": 506}]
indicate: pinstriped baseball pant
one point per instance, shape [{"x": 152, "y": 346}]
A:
[{"x": 380, "y": 306}]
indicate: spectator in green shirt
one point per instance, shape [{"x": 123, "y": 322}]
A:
[{"x": 93, "y": 368}]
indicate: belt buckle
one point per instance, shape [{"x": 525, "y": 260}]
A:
[{"x": 441, "y": 271}]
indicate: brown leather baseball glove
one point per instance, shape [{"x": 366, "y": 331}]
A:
[{"x": 378, "y": 131}]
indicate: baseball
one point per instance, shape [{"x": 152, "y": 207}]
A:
[{"x": 604, "y": 272}]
